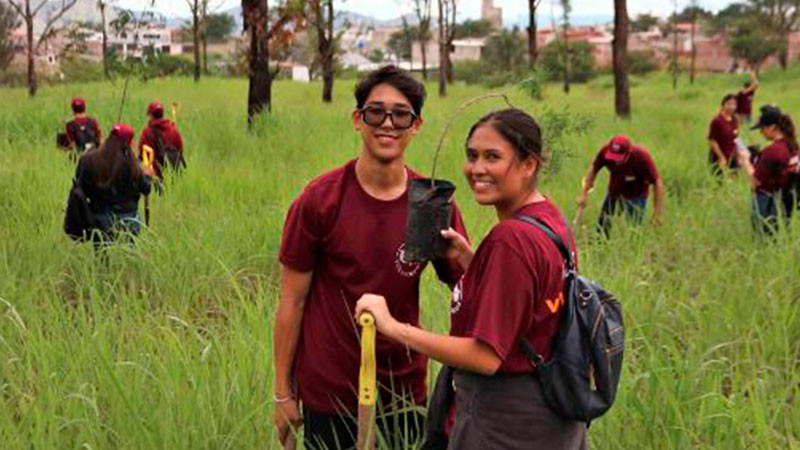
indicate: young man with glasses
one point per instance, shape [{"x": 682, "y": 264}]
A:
[{"x": 343, "y": 237}]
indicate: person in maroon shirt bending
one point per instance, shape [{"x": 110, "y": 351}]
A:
[
  {"x": 744, "y": 100},
  {"x": 83, "y": 133},
  {"x": 722, "y": 135},
  {"x": 632, "y": 173},
  {"x": 512, "y": 292},
  {"x": 774, "y": 176},
  {"x": 163, "y": 137},
  {"x": 344, "y": 236}
]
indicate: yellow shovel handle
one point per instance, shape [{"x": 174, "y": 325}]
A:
[{"x": 367, "y": 389}]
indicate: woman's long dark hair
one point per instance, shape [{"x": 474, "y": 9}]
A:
[
  {"x": 786, "y": 126},
  {"x": 114, "y": 164}
]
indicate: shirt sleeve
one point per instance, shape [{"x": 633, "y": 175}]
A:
[
  {"x": 301, "y": 234},
  {"x": 600, "y": 160},
  {"x": 503, "y": 300},
  {"x": 651, "y": 173},
  {"x": 713, "y": 131},
  {"x": 449, "y": 271}
]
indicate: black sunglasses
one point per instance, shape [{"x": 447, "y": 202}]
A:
[{"x": 374, "y": 116}]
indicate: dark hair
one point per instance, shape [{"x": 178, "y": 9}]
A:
[
  {"x": 748, "y": 83},
  {"x": 396, "y": 77},
  {"x": 78, "y": 108},
  {"x": 786, "y": 126},
  {"x": 158, "y": 114},
  {"x": 728, "y": 97},
  {"x": 518, "y": 128},
  {"x": 114, "y": 163}
]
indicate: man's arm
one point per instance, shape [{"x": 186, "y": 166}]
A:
[
  {"x": 658, "y": 199},
  {"x": 721, "y": 160},
  {"x": 288, "y": 318},
  {"x": 587, "y": 185}
]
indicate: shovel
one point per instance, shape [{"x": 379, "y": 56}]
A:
[{"x": 367, "y": 385}]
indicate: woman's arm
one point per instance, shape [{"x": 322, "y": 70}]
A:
[{"x": 460, "y": 352}]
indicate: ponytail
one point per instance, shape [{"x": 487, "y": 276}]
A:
[{"x": 787, "y": 128}]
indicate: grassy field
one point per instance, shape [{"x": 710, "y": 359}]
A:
[{"x": 167, "y": 344}]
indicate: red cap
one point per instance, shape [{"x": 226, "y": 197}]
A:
[
  {"x": 154, "y": 107},
  {"x": 618, "y": 149},
  {"x": 78, "y": 105},
  {"x": 124, "y": 131}
]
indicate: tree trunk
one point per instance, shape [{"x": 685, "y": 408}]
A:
[
  {"x": 259, "y": 95},
  {"x": 423, "y": 44},
  {"x": 675, "y": 56},
  {"x": 32, "y": 81},
  {"x": 442, "y": 52},
  {"x": 106, "y": 70},
  {"x": 324, "y": 23},
  {"x": 622, "y": 99},
  {"x": 694, "y": 48},
  {"x": 783, "y": 56},
  {"x": 205, "y": 52},
  {"x": 565, "y": 48},
  {"x": 196, "y": 40},
  {"x": 533, "y": 51}
]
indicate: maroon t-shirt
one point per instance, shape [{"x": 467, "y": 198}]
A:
[
  {"x": 724, "y": 132},
  {"x": 773, "y": 167},
  {"x": 632, "y": 178},
  {"x": 744, "y": 103},
  {"x": 354, "y": 244},
  {"x": 514, "y": 288}
]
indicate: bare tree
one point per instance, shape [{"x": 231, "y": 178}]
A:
[
  {"x": 622, "y": 97},
  {"x": 422, "y": 9},
  {"x": 450, "y": 21},
  {"x": 674, "y": 62},
  {"x": 196, "y": 7},
  {"x": 260, "y": 33},
  {"x": 8, "y": 23},
  {"x": 28, "y": 12},
  {"x": 322, "y": 12},
  {"x": 533, "y": 50}
]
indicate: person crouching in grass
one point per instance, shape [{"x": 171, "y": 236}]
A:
[
  {"x": 632, "y": 173},
  {"x": 774, "y": 176},
  {"x": 510, "y": 293},
  {"x": 344, "y": 236}
]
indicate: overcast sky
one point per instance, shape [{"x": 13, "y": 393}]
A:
[{"x": 470, "y": 9}]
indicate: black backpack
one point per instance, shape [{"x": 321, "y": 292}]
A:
[
  {"x": 84, "y": 135},
  {"x": 580, "y": 380},
  {"x": 78, "y": 218},
  {"x": 167, "y": 153}
]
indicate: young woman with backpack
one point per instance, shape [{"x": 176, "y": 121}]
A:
[
  {"x": 512, "y": 293},
  {"x": 113, "y": 180},
  {"x": 774, "y": 175}
]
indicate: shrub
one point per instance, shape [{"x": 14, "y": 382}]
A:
[{"x": 641, "y": 62}]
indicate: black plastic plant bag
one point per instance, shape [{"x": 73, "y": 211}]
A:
[{"x": 430, "y": 206}]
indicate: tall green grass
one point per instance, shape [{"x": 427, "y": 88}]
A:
[{"x": 167, "y": 343}]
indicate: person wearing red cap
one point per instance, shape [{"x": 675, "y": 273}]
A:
[
  {"x": 163, "y": 137},
  {"x": 774, "y": 177},
  {"x": 632, "y": 173},
  {"x": 722, "y": 134},
  {"x": 83, "y": 133},
  {"x": 113, "y": 181}
]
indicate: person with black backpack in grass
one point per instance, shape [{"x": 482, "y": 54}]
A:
[
  {"x": 82, "y": 132},
  {"x": 162, "y": 135},
  {"x": 109, "y": 182},
  {"x": 525, "y": 376}
]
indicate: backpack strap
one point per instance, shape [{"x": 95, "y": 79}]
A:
[{"x": 569, "y": 259}]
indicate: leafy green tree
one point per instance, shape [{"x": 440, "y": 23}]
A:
[
  {"x": 505, "y": 51},
  {"x": 581, "y": 61},
  {"x": 643, "y": 22},
  {"x": 219, "y": 26},
  {"x": 754, "y": 42},
  {"x": 473, "y": 29}
]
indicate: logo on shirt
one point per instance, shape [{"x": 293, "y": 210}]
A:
[
  {"x": 630, "y": 178},
  {"x": 458, "y": 297},
  {"x": 405, "y": 268},
  {"x": 555, "y": 305}
]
